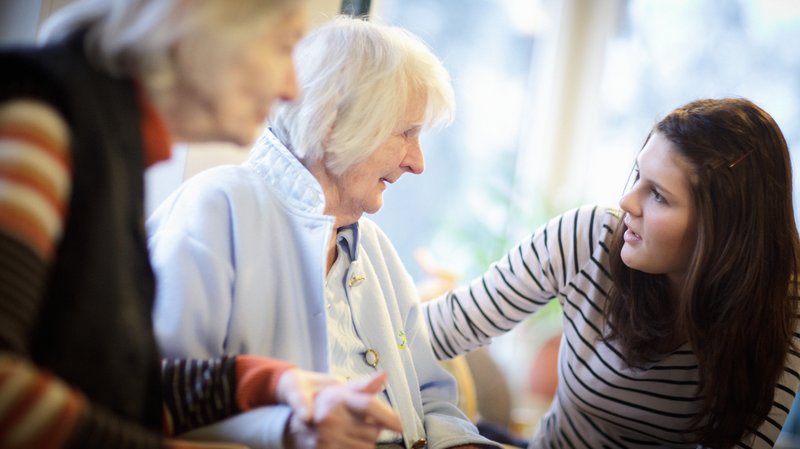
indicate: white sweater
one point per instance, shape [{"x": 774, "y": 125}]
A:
[{"x": 239, "y": 253}]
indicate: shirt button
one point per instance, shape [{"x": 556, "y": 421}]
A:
[
  {"x": 420, "y": 444},
  {"x": 372, "y": 357},
  {"x": 355, "y": 280}
]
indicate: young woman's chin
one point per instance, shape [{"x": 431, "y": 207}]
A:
[{"x": 627, "y": 258}]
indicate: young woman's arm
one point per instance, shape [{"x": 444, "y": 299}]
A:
[{"x": 518, "y": 285}]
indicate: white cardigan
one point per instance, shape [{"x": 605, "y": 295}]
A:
[{"x": 239, "y": 255}]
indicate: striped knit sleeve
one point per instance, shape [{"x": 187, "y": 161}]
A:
[
  {"x": 34, "y": 174},
  {"x": 34, "y": 184},
  {"x": 201, "y": 392},
  {"x": 516, "y": 286},
  {"x": 36, "y": 408}
]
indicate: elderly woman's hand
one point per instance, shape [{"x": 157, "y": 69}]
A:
[
  {"x": 348, "y": 415},
  {"x": 298, "y": 388}
]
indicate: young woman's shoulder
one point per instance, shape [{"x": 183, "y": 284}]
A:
[{"x": 592, "y": 221}]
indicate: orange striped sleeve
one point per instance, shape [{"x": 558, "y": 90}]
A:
[
  {"x": 36, "y": 410},
  {"x": 34, "y": 174}
]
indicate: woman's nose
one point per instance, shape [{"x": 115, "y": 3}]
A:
[
  {"x": 290, "y": 88},
  {"x": 414, "y": 160},
  {"x": 628, "y": 202}
]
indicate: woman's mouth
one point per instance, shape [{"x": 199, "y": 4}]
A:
[{"x": 631, "y": 237}]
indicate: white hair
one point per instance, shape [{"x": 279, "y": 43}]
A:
[
  {"x": 356, "y": 79},
  {"x": 134, "y": 37}
]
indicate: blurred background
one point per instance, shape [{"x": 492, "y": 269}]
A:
[{"x": 554, "y": 100}]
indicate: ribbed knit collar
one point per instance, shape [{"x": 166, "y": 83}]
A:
[{"x": 271, "y": 160}]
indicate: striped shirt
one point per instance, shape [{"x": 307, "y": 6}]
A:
[
  {"x": 600, "y": 401},
  {"x": 37, "y": 409}
]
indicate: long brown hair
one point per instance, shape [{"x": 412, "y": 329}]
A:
[{"x": 739, "y": 303}]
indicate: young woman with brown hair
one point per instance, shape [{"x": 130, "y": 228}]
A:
[{"x": 680, "y": 309}]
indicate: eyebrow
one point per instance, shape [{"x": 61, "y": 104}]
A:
[{"x": 662, "y": 190}]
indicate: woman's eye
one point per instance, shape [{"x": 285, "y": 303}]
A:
[
  {"x": 411, "y": 132},
  {"x": 657, "y": 196}
]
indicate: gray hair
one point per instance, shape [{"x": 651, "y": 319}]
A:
[
  {"x": 134, "y": 37},
  {"x": 356, "y": 78}
]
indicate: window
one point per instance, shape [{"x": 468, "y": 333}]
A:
[
  {"x": 554, "y": 100},
  {"x": 459, "y": 208}
]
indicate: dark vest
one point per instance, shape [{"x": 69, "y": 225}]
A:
[{"x": 94, "y": 329}]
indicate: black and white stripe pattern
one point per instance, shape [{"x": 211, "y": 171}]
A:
[
  {"x": 601, "y": 402},
  {"x": 199, "y": 392}
]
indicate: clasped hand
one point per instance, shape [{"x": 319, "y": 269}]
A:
[{"x": 327, "y": 413}]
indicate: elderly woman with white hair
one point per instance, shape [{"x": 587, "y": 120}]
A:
[
  {"x": 274, "y": 257},
  {"x": 81, "y": 117}
]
